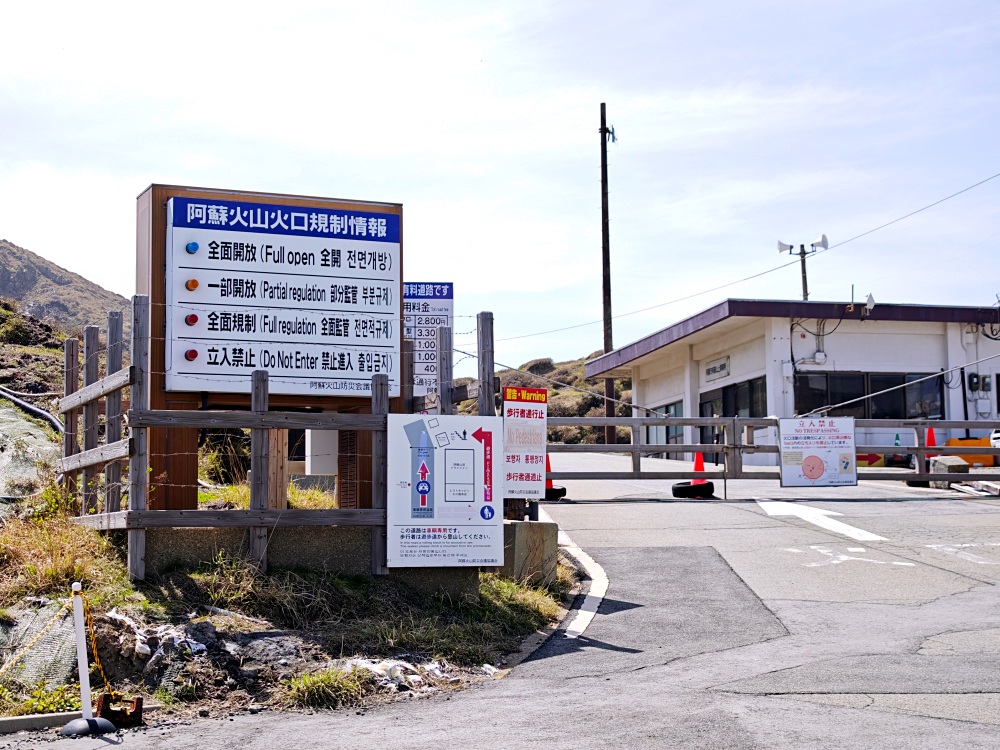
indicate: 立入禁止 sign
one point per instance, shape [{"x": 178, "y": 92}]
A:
[{"x": 817, "y": 452}]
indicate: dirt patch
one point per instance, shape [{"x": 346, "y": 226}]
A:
[{"x": 217, "y": 664}]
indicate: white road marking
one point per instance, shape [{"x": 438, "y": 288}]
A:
[
  {"x": 835, "y": 558},
  {"x": 958, "y": 551},
  {"x": 819, "y": 517},
  {"x": 598, "y": 582}
]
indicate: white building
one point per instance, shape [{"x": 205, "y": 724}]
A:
[{"x": 758, "y": 358}]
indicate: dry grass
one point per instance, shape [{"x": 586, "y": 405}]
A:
[
  {"x": 375, "y": 617},
  {"x": 44, "y": 556},
  {"x": 238, "y": 496},
  {"x": 329, "y": 688}
]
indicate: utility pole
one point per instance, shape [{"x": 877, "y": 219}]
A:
[{"x": 609, "y": 383}]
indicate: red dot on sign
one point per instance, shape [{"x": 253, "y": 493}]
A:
[
  {"x": 191, "y": 354},
  {"x": 191, "y": 284},
  {"x": 191, "y": 319}
]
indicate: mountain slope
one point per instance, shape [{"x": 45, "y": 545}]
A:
[{"x": 51, "y": 293}]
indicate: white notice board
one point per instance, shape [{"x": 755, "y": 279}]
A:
[
  {"x": 445, "y": 483},
  {"x": 525, "y": 416},
  {"x": 817, "y": 452},
  {"x": 312, "y": 295},
  {"x": 427, "y": 306}
]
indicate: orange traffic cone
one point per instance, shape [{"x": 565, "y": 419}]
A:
[
  {"x": 548, "y": 468},
  {"x": 699, "y": 467},
  {"x": 931, "y": 442}
]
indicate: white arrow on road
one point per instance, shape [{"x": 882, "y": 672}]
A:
[{"x": 817, "y": 516}]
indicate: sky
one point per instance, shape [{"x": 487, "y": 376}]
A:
[{"x": 738, "y": 124}]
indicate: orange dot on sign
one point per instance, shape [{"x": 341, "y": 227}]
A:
[
  {"x": 813, "y": 467},
  {"x": 191, "y": 284}
]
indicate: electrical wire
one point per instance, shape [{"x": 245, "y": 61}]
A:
[{"x": 756, "y": 275}]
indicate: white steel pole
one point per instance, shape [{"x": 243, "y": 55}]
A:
[{"x": 81, "y": 652}]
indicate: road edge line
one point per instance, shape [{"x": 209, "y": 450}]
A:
[{"x": 584, "y": 615}]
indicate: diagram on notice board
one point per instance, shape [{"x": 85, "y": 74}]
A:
[{"x": 444, "y": 491}]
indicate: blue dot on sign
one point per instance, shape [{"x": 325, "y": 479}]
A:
[
  {"x": 191, "y": 247},
  {"x": 424, "y": 487},
  {"x": 486, "y": 512}
]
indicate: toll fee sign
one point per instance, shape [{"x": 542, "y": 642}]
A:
[
  {"x": 525, "y": 416},
  {"x": 445, "y": 482},
  {"x": 817, "y": 452},
  {"x": 427, "y": 306},
  {"x": 309, "y": 294}
]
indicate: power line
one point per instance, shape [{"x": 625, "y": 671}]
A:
[{"x": 756, "y": 275}]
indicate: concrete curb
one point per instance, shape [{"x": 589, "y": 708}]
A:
[{"x": 34, "y": 722}]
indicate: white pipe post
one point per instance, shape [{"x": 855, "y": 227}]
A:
[{"x": 81, "y": 652}]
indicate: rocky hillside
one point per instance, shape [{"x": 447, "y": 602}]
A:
[
  {"x": 51, "y": 293},
  {"x": 31, "y": 359},
  {"x": 571, "y": 394}
]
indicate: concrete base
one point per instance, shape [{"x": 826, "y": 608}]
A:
[
  {"x": 341, "y": 549},
  {"x": 947, "y": 465},
  {"x": 530, "y": 551}
]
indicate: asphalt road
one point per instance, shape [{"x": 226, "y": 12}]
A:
[{"x": 726, "y": 627}]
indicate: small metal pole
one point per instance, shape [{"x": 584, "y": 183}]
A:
[{"x": 82, "y": 667}]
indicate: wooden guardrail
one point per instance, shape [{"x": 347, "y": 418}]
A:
[
  {"x": 737, "y": 439},
  {"x": 85, "y": 402}
]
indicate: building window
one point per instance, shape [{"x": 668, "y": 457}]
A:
[
  {"x": 746, "y": 399},
  {"x": 923, "y": 400},
  {"x": 662, "y": 434}
]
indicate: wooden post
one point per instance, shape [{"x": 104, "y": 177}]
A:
[
  {"x": 71, "y": 384},
  {"x": 113, "y": 413},
  {"x": 446, "y": 374},
  {"x": 636, "y": 443},
  {"x": 138, "y": 479},
  {"x": 91, "y": 347},
  {"x": 380, "y": 405},
  {"x": 734, "y": 448},
  {"x": 406, "y": 377},
  {"x": 484, "y": 334},
  {"x": 277, "y": 469},
  {"x": 258, "y": 468}
]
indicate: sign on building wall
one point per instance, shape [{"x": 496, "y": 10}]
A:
[
  {"x": 309, "y": 294},
  {"x": 716, "y": 368},
  {"x": 427, "y": 306},
  {"x": 817, "y": 452},
  {"x": 445, "y": 491},
  {"x": 525, "y": 413}
]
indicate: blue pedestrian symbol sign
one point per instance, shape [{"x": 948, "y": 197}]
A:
[{"x": 487, "y": 512}]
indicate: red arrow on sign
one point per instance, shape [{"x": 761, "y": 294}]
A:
[
  {"x": 486, "y": 438},
  {"x": 423, "y": 471}
]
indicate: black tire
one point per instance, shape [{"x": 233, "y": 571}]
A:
[
  {"x": 554, "y": 493},
  {"x": 688, "y": 490}
]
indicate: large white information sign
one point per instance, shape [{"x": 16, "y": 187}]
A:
[
  {"x": 427, "y": 306},
  {"x": 309, "y": 294},
  {"x": 525, "y": 416},
  {"x": 817, "y": 452},
  {"x": 445, "y": 504}
]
